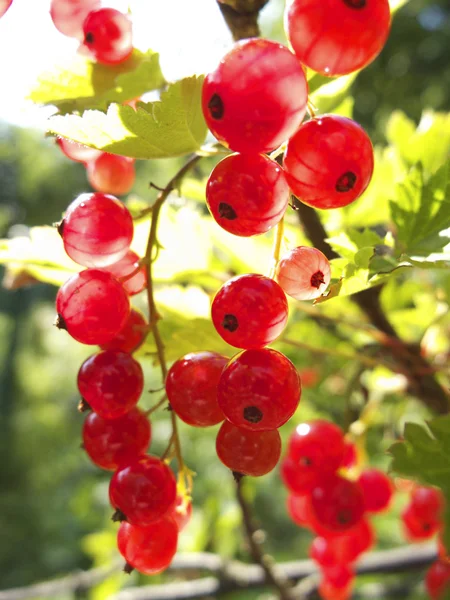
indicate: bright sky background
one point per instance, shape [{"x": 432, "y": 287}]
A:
[{"x": 189, "y": 34}]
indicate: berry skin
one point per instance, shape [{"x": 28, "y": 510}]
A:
[
  {"x": 92, "y": 306},
  {"x": 337, "y": 503},
  {"x": 77, "y": 152},
  {"x": 111, "y": 383},
  {"x": 111, "y": 174},
  {"x": 68, "y": 15},
  {"x": 259, "y": 390},
  {"x": 349, "y": 546},
  {"x": 108, "y": 36},
  {"x": 427, "y": 502},
  {"x": 418, "y": 528},
  {"x": 337, "y": 37},
  {"x": 339, "y": 575},
  {"x": 110, "y": 442},
  {"x": 329, "y": 162},
  {"x": 131, "y": 336},
  {"x": 328, "y": 591},
  {"x": 350, "y": 458},
  {"x": 144, "y": 490},
  {"x": 256, "y": 98},
  {"x": 148, "y": 549},
  {"x": 304, "y": 273},
  {"x": 123, "y": 269},
  {"x": 181, "y": 512},
  {"x": 97, "y": 230},
  {"x": 299, "y": 509},
  {"x": 437, "y": 580},
  {"x": 250, "y": 311},
  {"x": 377, "y": 489},
  {"x": 191, "y": 387},
  {"x": 247, "y": 194},
  {"x": 252, "y": 453}
]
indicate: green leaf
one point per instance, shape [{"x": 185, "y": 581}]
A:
[
  {"x": 330, "y": 93},
  {"x": 84, "y": 84},
  {"x": 171, "y": 126}
]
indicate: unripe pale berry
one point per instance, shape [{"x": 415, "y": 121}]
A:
[
  {"x": 68, "y": 15},
  {"x": 77, "y": 152},
  {"x": 304, "y": 273}
]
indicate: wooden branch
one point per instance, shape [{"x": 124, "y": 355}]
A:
[{"x": 241, "y": 17}]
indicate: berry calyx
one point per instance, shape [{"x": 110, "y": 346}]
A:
[
  {"x": 123, "y": 270},
  {"x": 256, "y": 98},
  {"x": 247, "y": 194},
  {"x": 250, "y": 311},
  {"x": 259, "y": 389},
  {"x": 377, "y": 489},
  {"x": 108, "y": 35},
  {"x": 111, "y": 174},
  {"x": 132, "y": 334},
  {"x": 337, "y": 503}
]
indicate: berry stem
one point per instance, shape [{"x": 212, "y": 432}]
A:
[{"x": 279, "y": 230}]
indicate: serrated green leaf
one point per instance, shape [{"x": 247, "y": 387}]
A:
[
  {"x": 331, "y": 93},
  {"x": 171, "y": 126},
  {"x": 83, "y": 84}
]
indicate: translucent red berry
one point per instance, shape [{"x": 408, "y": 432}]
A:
[
  {"x": 350, "y": 457},
  {"x": 259, "y": 389},
  {"x": 68, "y": 15},
  {"x": 337, "y": 37},
  {"x": 437, "y": 580},
  {"x": 92, "y": 306},
  {"x": 247, "y": 194},
  {"x": 349, "y": 546},
  {"x": 328, "y": 591},
  {"x": 250, "y": 311},
  {"x": 322, "y": 552},
  {"x": 97, "y": 230},
  {"x": 299, "y": 509},
  {"x": 108, "y": 35},
  {"x": 377, "y": 489},
  {"x": 132, "y": 334},
  {"x": 248, "y": 452},
  {"x": 191, "y": 387},
  {"x": 111, "y": 174},
  {"x": 181, "y": 513},
  {"x": 337, "y": 503},
  {"x": 123, "y": 270},
  {"x": 111, "y": 383},
  {"x": 339, "y": 575},
  {"x": 418, "y": 528},
  {"x": 77, "y": 152},
  {"x": 110, "y": 442},
  {"x": 256, "y": 98},
  {"x": 148, "y": 549},
  {"x": 304, "y": 273},
  {"x": 329, "y": 162},
  {"x": 427, "y": 502}
]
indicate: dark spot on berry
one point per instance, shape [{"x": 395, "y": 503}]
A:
[
  {"x": 305, "y": 461},
  {"x": 60, "y": 323},
  {"x": 89, "y": 38},
  {"x": 355, "y": 3},
  {"x": 343, "y": 517},
  {"x": 215, "y": 106},
  {"x": 227, "y": 212},
  {"x": 252, "y": 414},
  {"x": 346, "y": 182},
  {"x": 128, "y": 568},
  {"x": 230, "y": 323},
  {"x": 317, "y": 279}
]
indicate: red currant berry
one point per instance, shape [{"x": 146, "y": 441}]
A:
[
  {"x": 181, "y": 512},
  {"x": 437, "y": 580},
  {"x": 148, "y": 549},
  {"x": 377, "y": 489},
  {"x": 248, "y": 452},
  {"x": 77, "y": 152},
  {"x": 131, "y": 336},
  {"x": 299, "y": 509},
  {"x": 247, "y": 194},
  {"x": 350, "y": 545},
  {"x": 337, "y": 503},
  {"x": 322, "y": 552},
  {"x": 350, "y": 457},
  {"x": 108, "y": 35},
  {"x": 336, "y": 38},
  {"x": 304, "y": 273},
  {"x": 92, "y": 306},
  {"x": 309, "y": 376},
  {"x": 4, "y": 5},
  {"x": 339, "y": 575},
  {"x": 329, "y": 162},
  {"x": 427, "y": 502},
  {"x": 328, "y": 591},
  {"x": 68, "y": 15},
  {"x": 250, "y": 311},
  {"x": 97, "y": 230},
  {"x": 110, "y": 442},
  {"x": 256, "y": 98},
  {"x": 123, "y": 269},
  {"x": 417, "y": 528},
  {"x": 144, "y": 490},
  {"x": 259, "y": 389},
  {"x": 191, "y": 387},
  {"x": 111, "y": 383},
  {"x": 111, "y": 174}
]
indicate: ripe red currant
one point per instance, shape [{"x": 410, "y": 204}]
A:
[
  {"x": 437, "y": 580},
  {"x": 131, "y": 336},
  {"x": 68, "y": 15},
  {"x": 144, "y": 490},
  {"x": 336, "y": 38},
  {"x": 350, "y": 457},
  {"x": 92, "y": 306},
  {"x": 304, "y": 273},
  {"x": 377, "y": 489},
  {"x": 181, "y": 512},
  {"x": 123, "y": 268},
  {"x": 97, "y": 230},
  {"x": 247, "y": 194},
  {"x": 77, "y": 152},
  {"x": 328, "y": 591},
  {"x": 351, "y": 544},
  {"x": 418, "y": 528},
  {"x": 256, "y": 98},
  {"x": 299, "y": 509},
  {"x": 248, "y": 452},
  {"x": 259, "y": 389},
  {"x": 111, "y": 383},
  {"x": 427, "y": 502},
  {"x": 337, "y": 503},
  {"x": 191, "y": 387},
  {"x": 111, "y": 174},
  {"x": 148, "y": 549},
  {"x": 339, "y": 575},
  {"x": 108, "y": 35},
  {"x": 329, "y": 162},
  {"x": 250, "y": 311},
  {"x": 111, "y": 442},
  {"x": 322, "y": 552}
]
